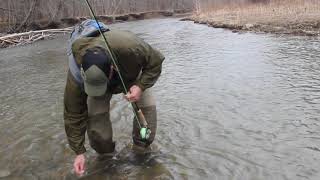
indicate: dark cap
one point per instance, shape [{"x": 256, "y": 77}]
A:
[{"x": 95, "y": 69}]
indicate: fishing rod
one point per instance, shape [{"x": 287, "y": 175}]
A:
[{"x": 141, "y": 120}]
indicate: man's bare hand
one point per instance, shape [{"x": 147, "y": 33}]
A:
[
  {"x": 79, "y": 164},
  {"x": 134, "y": 94}
]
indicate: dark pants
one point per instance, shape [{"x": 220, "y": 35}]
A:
[{"x": 99, "y": 126}]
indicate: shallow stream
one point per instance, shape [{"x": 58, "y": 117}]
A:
[{"x": 230, "y": 106}]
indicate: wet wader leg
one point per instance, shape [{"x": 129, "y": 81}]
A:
[
  {"x": 99, "y": 127},
  {"x": 148, "y": 107}
]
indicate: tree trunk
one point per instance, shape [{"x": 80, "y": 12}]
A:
[{"x": 24, "y": 22}]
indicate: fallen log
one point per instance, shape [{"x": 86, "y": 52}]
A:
[
  {"x": 65, "y": 30},
  {"x": 4, "y": 40},
  {"x": 29, "y": 37},
  {"x": 41, "y": 37}
]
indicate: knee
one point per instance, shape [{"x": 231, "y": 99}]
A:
[
  {"x": 100, "y": 143},
  {"x": 147, "y": 99}
]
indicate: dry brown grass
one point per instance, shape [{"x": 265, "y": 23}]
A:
[{"x": 277, "y": 12}]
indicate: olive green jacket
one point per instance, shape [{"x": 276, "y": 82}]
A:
[{"x": 133, "y": 55}]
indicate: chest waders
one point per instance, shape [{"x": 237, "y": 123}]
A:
[{"x": 139, "y": 117}]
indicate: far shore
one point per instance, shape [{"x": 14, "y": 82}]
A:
[
  {"x": 279, "y": 18},
  {"x": 44, "y": 30}
]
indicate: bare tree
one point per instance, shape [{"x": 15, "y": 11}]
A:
[
  {"x": 27, "y": 17},
  {"x": 18, "y": 15}
]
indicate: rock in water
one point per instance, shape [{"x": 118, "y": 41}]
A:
[{"x": 4, "y": 173}]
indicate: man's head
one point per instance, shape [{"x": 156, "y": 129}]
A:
[{"x": 95, "y": 70}]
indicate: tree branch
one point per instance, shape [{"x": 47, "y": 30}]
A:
[
  {"x": 24, "y": 22},
  {"x": 6, "y": 9}
]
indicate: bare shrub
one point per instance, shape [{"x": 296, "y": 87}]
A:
[
  {"x": 273, "y": 11},
  {"x": 18, "y": 15}
]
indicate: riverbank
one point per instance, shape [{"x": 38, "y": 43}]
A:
[
  {"x": 296, "y": 18},
  {"x": 44, "y": 30}
]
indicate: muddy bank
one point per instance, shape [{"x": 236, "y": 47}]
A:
[
  {"x": 308, "y": 28},
  {"x": 118, "y": 18},
  {"x": 108, "y": 19},
  {"x": 43, "y": 30}
]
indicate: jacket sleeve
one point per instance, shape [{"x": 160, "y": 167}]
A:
[
  {"x": 75, "y": 115},
  {"x": 151, "y": 69}
]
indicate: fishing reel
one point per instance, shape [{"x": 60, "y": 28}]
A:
[{"x": 145, "y": 133}]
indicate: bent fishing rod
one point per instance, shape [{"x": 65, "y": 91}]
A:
[{"x": 139, "y": 117}]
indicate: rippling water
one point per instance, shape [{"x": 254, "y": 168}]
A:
[{"x": 230, "y": 106}]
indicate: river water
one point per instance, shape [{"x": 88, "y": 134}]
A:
[{"x": 230, "y": 106}]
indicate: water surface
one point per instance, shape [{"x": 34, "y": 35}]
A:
[{"x": 230, "y": 106}]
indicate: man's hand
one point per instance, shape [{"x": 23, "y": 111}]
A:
[
  {"x": 134, "y": 94},
  {"x": 79, "y": 164}
]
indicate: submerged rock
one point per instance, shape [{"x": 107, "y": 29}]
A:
[{"x": 4, "y": 173}]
